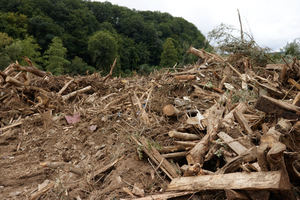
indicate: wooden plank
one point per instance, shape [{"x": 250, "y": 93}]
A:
[
  {"x": 243, "y": 122},
  {"x": 280, "y": 108},
  {"x": 234, "y": 145},
  {"x": 273, "y": 180},
  {"x": 159, "y": 159}
]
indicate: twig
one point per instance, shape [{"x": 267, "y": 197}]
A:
[
  {"x": 65, "y": 86},
  {"x": 68, "y": 96},
  {"x": 111, "y": 70}
]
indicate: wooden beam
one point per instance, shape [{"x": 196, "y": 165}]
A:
[
  {"x": 234, "y": 145},
  {"x": 280, "y": 108},
  {"x": 272, "y": 180}
]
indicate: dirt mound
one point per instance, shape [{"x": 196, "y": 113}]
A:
[{"x": 187, "y": 133}]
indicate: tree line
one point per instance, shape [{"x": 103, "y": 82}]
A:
[{"x": 76, "y": 36}]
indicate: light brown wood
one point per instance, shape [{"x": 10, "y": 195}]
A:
[
  {"x": 234, "y": 145},
  {"x": 163, "y": 196},
  {"x": 65, "y": 87},
  {"x": 68, "y": 96},
  {"x": 229, "y": 118},
  {"x": 214, "y": 116},
  {"x": 14, "y": 81},
  {"x": 170, "y": 110},
  {"x": 185, "y": 77},
  {"x": 111, "y": 70},
  {"x": 105, "y": 168},
  {"x": 11, "y": 126},
  {"x": 31, "y": 69},
  {"x": 183, "y": 136},
  {"x": 186, "y": 143},
  {"x": 296, "y": 101},
  {"x": 239, "y": 180},
  {"x": 159, "y": 160},
  {"x": 243, "y": 122},
  {"x": 294, "y": 83},
  {"x": 171, "y": 149},
  {"x": 280, "y": 108},
  {"x": 175, "y": 155}
]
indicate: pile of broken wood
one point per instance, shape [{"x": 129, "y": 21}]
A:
[{"x": 258, "y": 141}]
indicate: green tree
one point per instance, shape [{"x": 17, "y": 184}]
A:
[
  {"x": 102, "y": 47},
  {"x": 55, "y": 57},
  {"x": 15, "y": 25},
  {"x": 169, "y": 56},
  {"x": 292, "y": 48},
  {"x": 4, "y": 40},
  {"x": 78, "y": 66}
]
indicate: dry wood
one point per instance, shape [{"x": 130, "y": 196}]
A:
[
  {"x": 274, "y": 66},
  {"x": 65, "y": 86},
  {"x": 111, "y": 70},
  {"x": 294, "y": 83},
  {"x": 249, "y": 181},
  {"x": 159, "y": 159},
  {"x": 68, "y": 96},
  {"x": 170, "y": 110},
  {"x": 234, "y": 195},
  {"x": 171, "y": 149},
  {"x": 234, "y": 145},
  {"x": 167, "y": 195},
  {"x": 11, "y": 126},
  {"x": 66, "y": 166},
  {"x": 186, "y": 143},
  {"x": 185, "y": 77},
  {"x": 37, "y": 194},
  {"x": 229, "y": 118},
  {"x": 106, "y": 168},
  {"x": 175, "y": 155},
  {"x": 31, "y": 69},
  {"x": 196, "y": 52},
  {"x": 183, "y": 136},
  {"x": 14, "y": 81},
  {"x": 249, "y": 156},
  {"x": 214, "y": 116},
  {"x": 296, "y": 101},
  {"x": 144, "y": 116},
  {"x": 243, "y": 122},
  {"x": 280, "y": 108}
]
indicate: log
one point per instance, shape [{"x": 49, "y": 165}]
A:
[
  {"x": 186, "y": 143},
  {"x": 185, "y": 77},
  {"x": 243, "y": 122},
  {"x": 111, "y": 70},
  {"x": 159, "y": 160},
  {"x": 68, "y": 96},
  {"x": 167, "y": 195},
  {"x": 175, "y": 155},
  {"x": 183, "y": 136},
  {"x": 196, "y": 52},
  {"x": 294, "y": 83},
  {"x": 234, "y": 145},
  {"x": 272, "y": 180},
  {"x": 229, "y": 118},
  {"x": 280, "y": 108},
  {"x": 31, "y": 69},
  {"x": 171, "y": 149},
  {"x": 197, "y": 154},
  {"x": 296, "y": 101},
  {"x": 170, "y": 110},
  {"x": 14, "y": 81}
]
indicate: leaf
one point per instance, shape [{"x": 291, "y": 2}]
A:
[{"x": 73, "y": 119}]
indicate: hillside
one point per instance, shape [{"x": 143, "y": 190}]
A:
[{"x": 85, "y": 35}]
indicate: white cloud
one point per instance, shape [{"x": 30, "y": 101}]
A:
[{"x": 273, "y": 23}]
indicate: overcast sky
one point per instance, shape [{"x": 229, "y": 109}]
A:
[{"x": 273, "y": 23}]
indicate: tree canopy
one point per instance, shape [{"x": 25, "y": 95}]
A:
[{"x": 135, "y": 37}]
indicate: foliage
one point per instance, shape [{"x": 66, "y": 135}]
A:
[
  {"x": 5, "y": 40},
  {"x": 292, "y": 49},
  {"x": 15, "y": 25},
  {"x": 102, "y": 47},
  {"x": 137, "y": 35},
  {"x": 55, "y": 57},
  {"x": 78, "y": 66},
  {"x": 169, "y": 55},
  {"x": 227, "y": 42}
]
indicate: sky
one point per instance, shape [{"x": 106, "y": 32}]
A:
[{"x": 272, "y": 23}]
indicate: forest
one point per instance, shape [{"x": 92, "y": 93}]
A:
[{"x": 76, "y": 37}]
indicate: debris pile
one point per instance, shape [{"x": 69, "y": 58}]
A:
[{"x": 213, "y": 130}]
